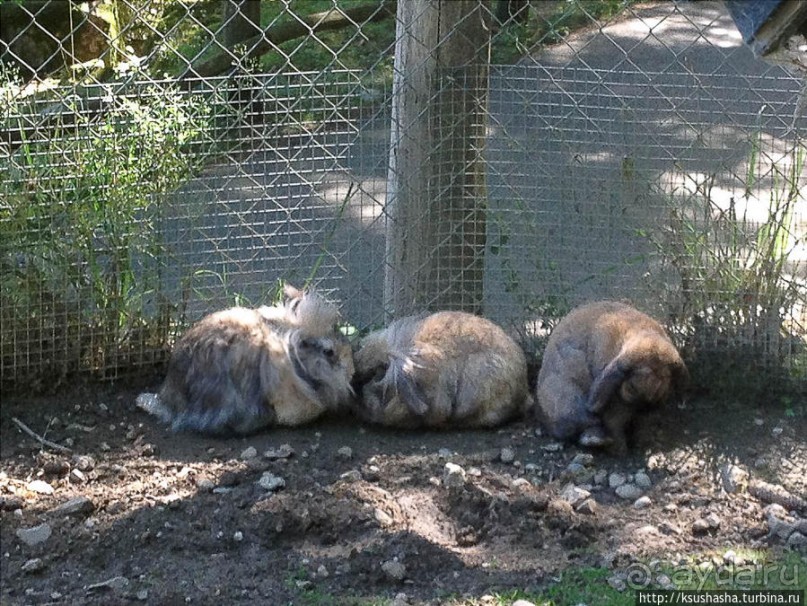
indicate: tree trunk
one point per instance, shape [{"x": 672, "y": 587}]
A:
[
  {"x": 241, "y": 21},
  {"x": 436, "y": 196}
]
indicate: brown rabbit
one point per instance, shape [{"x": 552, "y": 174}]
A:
[
  {"x": 239, "y": 370},
  {"x": 605, "y": 362},
  {"x": 448, "y": 369}
]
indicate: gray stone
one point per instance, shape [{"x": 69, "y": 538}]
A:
[
  {"x": 74, "y": 506},
  {"x": 642, "y": 502},
  {"x": 32, "y": 566},
  {"x": 394, "y": 570},
  {"x": 354, "y": 475},
  {"x": 249, "y": 453},
  {"x": 629, "y": 492},
  {"x": 523, "y": 603},
  {"x": 587, "y": 507},
  {"x": 35, "y": 535},
  {"x": 453, "y": 476},
  {"x": 642, "y": 480},
  {"x": 797, "y": 541},
  {"x": 271, "y": 482},
  {"x": 284, "y": 451},
  {"x": 616, "y": 479},
  {"x": 733, "y": 478},
  {"x": 382, "y": 517},
  {"x": 574, "y": 495},
  {"x": 507, "y": 455},
  {"x": 345, "y": 453}
]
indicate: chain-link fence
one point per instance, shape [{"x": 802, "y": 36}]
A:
[{"x": 162, "y": 160}]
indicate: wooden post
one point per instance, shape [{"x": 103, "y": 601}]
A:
[{"x": 436, "y": 194}]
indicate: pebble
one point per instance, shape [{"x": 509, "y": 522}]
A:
[
  {"x": 271, "y": 482},
  {"x": 35, "y": 535},
  {"x": 587, "y": 507},
  {"x": 583, "y": 458},
  {"x": 642, "y": 480},
  {"x": 40, "y": 487},
  {"x": 345, "y": 453},
  {"x": 238, "y": 536},
  {"x": 249, "y": 453},
  {"x": 523, "y": 603},
  {"x": 77, "y": 476},
  {"x": 733, "y": 477},
  {"x": 574, "y": 495},
  {"x": 354, "y": 475},
  {"x": 453, "y": 476},
  {"x": 204, "y": 484},
  {"x": 616, "y": 479},
  {"x": 700, "y": 526},
  {"x": 552, "y": 447},
  {"x": 629, "y": 492},
  {"x": 382, "y": 517},
  {"x": 58, "y": 467},
  {"x": 507, "y": 455},
  {"x": 601, "y": 477},
  {"x": 445, "y": 453},
  {"x": 322, "y": 572},
  {"x": 33, "y": 565},
  {"x": 642, "y": 502},
  {"x": 284, "y": 451},
  {"x": 797, "y": 541},
  {"x": 76, "y": 505},
  {"x": 394, "y": 570}
]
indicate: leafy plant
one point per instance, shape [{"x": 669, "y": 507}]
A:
[
  {"x": 80, "y": 223},
  {"x": 738, "y": 284}
]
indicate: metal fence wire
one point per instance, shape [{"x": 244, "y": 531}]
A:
[{"x": 162, "y": 160}]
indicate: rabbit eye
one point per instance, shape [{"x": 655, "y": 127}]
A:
[{"x": 329, "y": 353}]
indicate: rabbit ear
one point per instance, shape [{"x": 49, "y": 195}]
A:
[
  {"x": 408, "y": 389},
  {"x": 606, "y": 384},
  {"x": 291, "y": 292}
]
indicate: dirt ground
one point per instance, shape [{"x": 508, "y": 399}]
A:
[{"x": 365, "y": 513}]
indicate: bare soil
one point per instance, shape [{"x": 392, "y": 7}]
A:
[{"x": 175, "y": 519}]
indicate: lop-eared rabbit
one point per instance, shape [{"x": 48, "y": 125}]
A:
[
  {"x": 604, "y": 364},
  {"x": 240, "y": 370},
  {"x": 445, "y": 370}
]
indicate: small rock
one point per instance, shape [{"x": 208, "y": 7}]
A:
[
  {"x": 713, "y": 520},
  {"x": 733, "y": 478},
  {"x": 143, "y": 595},
  {"x": 520, "y": 483},
  {"x": 601, "y": 477},
  {"x": 382, "y": 517},
  {"x": 616, "y": 480},
  {"x": 617, "y": 582},
  {"x": 40, "y": 487},
  {"x": 77, "y": 476},
  {"x": 32, "y": 566},
  {"x": 507, "y": 455},
  {"x": 345, "y": 453},
  {"x": 453, "y": 476},
  {"x": 249, "y": 453},
  {"x": 797, "y": 542},
  {"x": 730, "y": 557},
  {"x": 204, "y": 484},
  {"x": 574, "y": 495},
  {"x": 35, "y": 535},
  {"x": 284, "y": 451},
  {"x": 642, "y": 480},
  {"x": 354, "y": 475},
  {"x": 238, "y": 536},
  {"x": 322, "y": 572},
  {"x": 642, "y": 502},
  {"x": 394, "y": 570},
  {"x": 583, "y": 458},
  {"x": 700, "y": 526},
  {"x": 11, "y": 503},
  {"x": 84, "y": 462},
  {"x": 552, "y": 447},
  {"x": 587, "y": 507},
  {"x": 400, "y": 599},
  {"x": 629, "y": 492},
  {"x": 522, "y": 603},
  {"x": 445, "y": 453},
  {"x": 271, "y": 482},
  {"x": 76, "y": 505}
]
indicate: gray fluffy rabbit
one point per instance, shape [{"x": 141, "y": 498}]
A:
[
  {"x": 604, "y": 364},
  {"x": 239, "y": 370},
  {"x": 449, "y": 369}
]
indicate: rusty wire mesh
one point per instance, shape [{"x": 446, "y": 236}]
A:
[{"x": 165, "y": 159}]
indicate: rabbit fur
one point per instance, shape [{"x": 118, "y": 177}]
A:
[
  {"x": 449, "y": 369},
  {"x": 239, "y": 370},
  {"x": 604, "y": 364}
]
